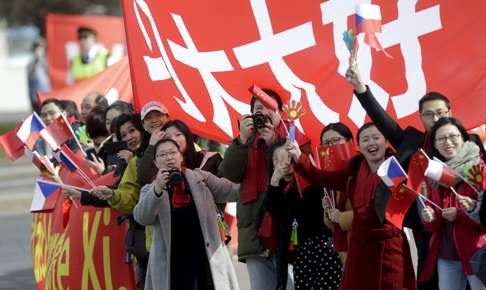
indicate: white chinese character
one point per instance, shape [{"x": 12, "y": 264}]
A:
[
  {"x": 405, "y": 30},
  {"x": 206, "y": 63},
  {"x": 160, "y": 68},
  {"x": 271, "y": 48}
]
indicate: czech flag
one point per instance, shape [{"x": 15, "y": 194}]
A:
[
  {"x": 441, "y": 173},
  {"x": 391, "y": 172},
  {"x": 67, "y": 158},
  {"x": 45, "y": 195},
  {"x": 368, "y": 21},
  {"x": 30, "y": 130}
]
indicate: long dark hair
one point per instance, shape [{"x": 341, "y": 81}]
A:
[
  {"x": 440, "y": 123},
  {"x": 137, "y": 123},
  {"x": 191, "y": 158}
]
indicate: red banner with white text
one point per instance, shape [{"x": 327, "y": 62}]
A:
[
  {"x": 79, "y": 248},
  {"x": 200, "y": 58},
  {"x": 62, "y": 41}
]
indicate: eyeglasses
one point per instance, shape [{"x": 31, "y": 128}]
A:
[
  {"x": 332, "y": 141},
  {"x": 49, "y": 114},
  {"x": 439, "y": 114},
  {"x": 166, "y": 155},
  {"x": 453, "y": 137}
]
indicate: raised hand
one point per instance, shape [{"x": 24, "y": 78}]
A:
[
  {"x": 97, "y": 164},
  {"x": 354, "y": 78}
]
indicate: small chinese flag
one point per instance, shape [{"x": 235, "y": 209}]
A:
[
  {"x": 60, "y": 132},
  {"x": 398, "y": 205},
  {"x": 336, "y": 157},
  {"x": 416, "y": 169},
  {"x": 12, "y": 145}
]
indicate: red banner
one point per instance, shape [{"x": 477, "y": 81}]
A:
[
  {"x": 200, "y": 57},
  {"x": 63, "y": 44},
  {"x": 86, "y": 254},
  {"x": 114, "y": 83}
]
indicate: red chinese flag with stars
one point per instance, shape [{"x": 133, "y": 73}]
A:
[
  {"x": 12, "y": 145},
  {"x": 398, "y": 205},
  {"x": 336, "y": 157},
  {"x": 60, "y": 131},
  {"x": 416, "y": 169}
]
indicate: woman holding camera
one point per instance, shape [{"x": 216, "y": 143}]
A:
[{"x": 186, "y": 252}]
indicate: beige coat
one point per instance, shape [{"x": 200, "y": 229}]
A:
[{"x": 206, "y": 189}]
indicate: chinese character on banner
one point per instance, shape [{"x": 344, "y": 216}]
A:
[{"x": 200, "y": 67}]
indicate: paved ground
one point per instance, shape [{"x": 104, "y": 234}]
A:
[{"x": 16, "y": 266}]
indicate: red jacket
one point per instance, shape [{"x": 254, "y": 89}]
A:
[{"x": 468, "y": 235}]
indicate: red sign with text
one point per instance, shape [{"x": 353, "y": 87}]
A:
[
  {"x": 200, "y": 57},
  {"x": 79, "y": 248}
]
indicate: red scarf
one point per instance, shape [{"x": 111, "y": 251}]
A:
[
  {"x": 256, "y": 176},
  {"x": 180, "y": 196}
]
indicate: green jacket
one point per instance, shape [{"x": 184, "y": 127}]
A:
[
  {"x": 126, "y": 196},
  {"x": 249, "y": 215}
]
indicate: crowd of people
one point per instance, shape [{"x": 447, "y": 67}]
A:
[{"x": 173, "y": 193}]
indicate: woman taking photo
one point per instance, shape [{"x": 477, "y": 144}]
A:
[
  {"x": 455, "y": 236},
  {"x": 378, "y": 255},
  {"x": 187, "y": 252}
]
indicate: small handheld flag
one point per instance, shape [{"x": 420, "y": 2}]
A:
[
  {"x": 30, "y": 130},
  {"x": 263, "y": 97},
  {"x": 368, "y": 21},
  {"x": 45, "y": 195},
  {"x": 398, "y": 205},
  {"x": 441, "y": 173},
  {"x": 12, "y": 145},
  {"x": 416, "y": 169},
  {"x": 391, "y": 172},
  {"x": 60, "y": 132},
  {"x": 335, "y": 157}
]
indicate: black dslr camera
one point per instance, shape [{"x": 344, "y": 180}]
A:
[
  {"x": 259, "y": 120},
  {"x": 175, "y": 177}
]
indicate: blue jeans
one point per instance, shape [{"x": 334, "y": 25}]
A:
[
  {"x": 262, "y": 273},
  {"x": 452, "y": 277}
]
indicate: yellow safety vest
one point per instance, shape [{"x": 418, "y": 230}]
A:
[{"x": 80, "y": 70}]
